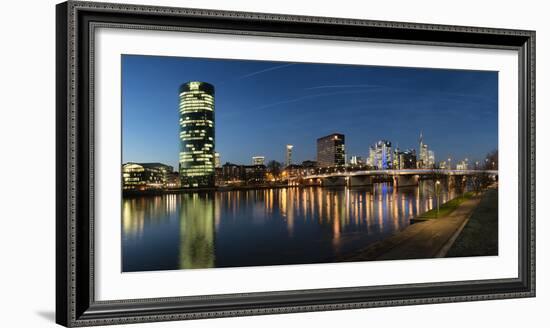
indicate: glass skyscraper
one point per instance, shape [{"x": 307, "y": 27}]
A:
[
  {"x": 196, "y": 119},
  {"x": 380, "y": 155},
  {"x": 426, "y": 159}
]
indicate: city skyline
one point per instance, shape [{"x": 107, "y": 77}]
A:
[{"x": 261, "y": 107}]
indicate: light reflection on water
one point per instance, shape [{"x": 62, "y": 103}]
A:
[{"x": 264, "y": 227}]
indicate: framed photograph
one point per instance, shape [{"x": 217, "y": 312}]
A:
[{"x": 215, "y": 164}]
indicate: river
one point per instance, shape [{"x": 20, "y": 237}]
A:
[{"x": 265, "y": 226}]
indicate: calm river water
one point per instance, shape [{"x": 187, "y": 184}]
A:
[{"x": 264, "y": 227}]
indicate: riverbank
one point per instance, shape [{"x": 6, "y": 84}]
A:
[
  {"x": 445, "y": 209},
  {"x": 157, "y": 192},
  {"x": 480, "y": 235},
  {"x": 432, "y": 238}
]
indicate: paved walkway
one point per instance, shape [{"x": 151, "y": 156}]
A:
[{"x": 427, "y": 239}]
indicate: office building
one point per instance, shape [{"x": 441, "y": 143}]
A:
[
  {"x": 217, "y": 160},
  {"x": 331, "y": 150},
  {"x": 309, "y": 164},
  {"x": 381, "y": 155},
  {"x": 426, "y": 158},
  {"x": 243, "y": 174},
  {"x": 232, "y": 172},
  {"x": 404, "y": 159},
  {"x": 462, "y": 165},
  {"x": 258, "y": 160},
  {"x": 396, "y": 163},
  {"x": 173, "y": 180},
  {"x": 422, "y": 153},
  {"x": 288, "y": 155},
  {"x": 294, "y": 171},
  {"x": 144, "y": 176},
  {"x": 356, "y": 160},
  {"x": 431, "y": 159},
  {"x": 254, "y": 174},
  {"x": 196, "y": 159}
]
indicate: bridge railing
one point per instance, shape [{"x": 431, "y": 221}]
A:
[{"x": 346, "y": 173}]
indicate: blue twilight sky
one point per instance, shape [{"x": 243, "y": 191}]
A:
[{"x": 260, "y": 106}]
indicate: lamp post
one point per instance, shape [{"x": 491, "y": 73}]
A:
[{"x": 437, "y": 190}]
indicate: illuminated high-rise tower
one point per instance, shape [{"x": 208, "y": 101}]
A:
[
  {"x": 196, "y": 119},
  {"x": 258, "y": 160},
  {"x": 217, "y": 160},
  {"x": 381, "y": 155},
  {"x": 426, "y": 158},
  {"x": 331, "y": 150},
  {"x": 423, "y": 156},
  {"x": 288, "y": 155}
]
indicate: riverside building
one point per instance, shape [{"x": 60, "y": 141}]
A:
[
  {"x": 197, "y": 140},
  {"x": 144, "y": 176}
]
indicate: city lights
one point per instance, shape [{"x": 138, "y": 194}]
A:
[
  {"x": 229, "y": 163},
  {"x": 200, "y": 164}
]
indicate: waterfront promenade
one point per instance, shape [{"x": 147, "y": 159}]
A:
[{"x": 426, "y": 239}]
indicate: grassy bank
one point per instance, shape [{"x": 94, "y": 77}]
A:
[
  {"x": 480, "y": 235},
  {"x": 444, "y": 209}
]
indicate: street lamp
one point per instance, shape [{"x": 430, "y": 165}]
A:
[{"x": 437, "y": 191}]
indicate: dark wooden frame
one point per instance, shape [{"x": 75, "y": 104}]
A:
[{"x": 75, "y": 302}]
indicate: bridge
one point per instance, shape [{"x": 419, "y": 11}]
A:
[{"x": 405, "y": 177}]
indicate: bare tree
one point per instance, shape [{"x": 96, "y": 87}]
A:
[
  {"x": 480, "y": 182},
  {"x": 491, "y": 160},
  {"x": 476, "y": 184},
  {"x": 274, "y": 168}
]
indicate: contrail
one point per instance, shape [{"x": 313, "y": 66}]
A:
[
  {"x": 309, "y": 97},
  {"x": 343, "y": 86},
  {"x": 264, "y": 71}
]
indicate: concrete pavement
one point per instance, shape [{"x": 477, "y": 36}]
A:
[{"x": 427, "y": 239}]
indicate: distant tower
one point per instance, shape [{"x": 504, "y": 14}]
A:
[
  {"x": 258, "y": 160},
  {"x": 431, "y": 159},
  {"x": 424, "y": 154},
  {"x": 288, "y": 158},
  {"x": 196, "y": 120},
  {"x": 420, "y": 152},
  {"x": 396, "y": 160},
  {"x": 217, "y": 160}
]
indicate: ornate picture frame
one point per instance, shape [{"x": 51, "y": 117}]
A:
[{"x": 76, "y": 304}]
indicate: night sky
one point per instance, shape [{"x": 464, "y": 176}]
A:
[{"x": 261, "y": 106}]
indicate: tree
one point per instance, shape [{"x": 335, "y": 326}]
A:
[
  {"x": 274, "y": 168},
  {"x": 480, "y": 182},
  {"x": 491, "y": 160}
]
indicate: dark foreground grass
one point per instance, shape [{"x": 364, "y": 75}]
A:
[
  {"x": 445, "y": 209},
  {"x": 480, "y": 235}
]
